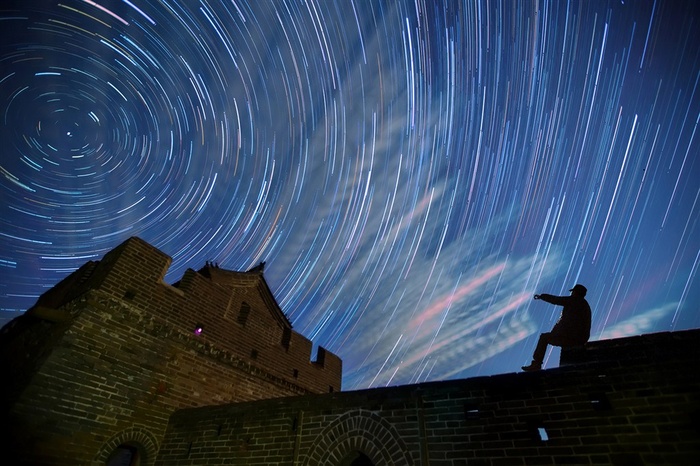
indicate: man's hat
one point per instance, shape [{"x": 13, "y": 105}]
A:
[{"x": 579, "y": 289}]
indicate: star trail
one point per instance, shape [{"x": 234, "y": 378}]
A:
[{"x": 412, "y": 172}]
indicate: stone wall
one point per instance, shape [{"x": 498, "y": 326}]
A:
[{"x": 633, "y": 401}]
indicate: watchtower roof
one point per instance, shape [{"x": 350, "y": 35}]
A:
[{"x": 254, "y": 277}]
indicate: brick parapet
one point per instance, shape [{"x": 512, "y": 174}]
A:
[{"x": 650, "y": 347}]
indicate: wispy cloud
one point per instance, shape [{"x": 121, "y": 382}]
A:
[
  {"x": 638, "y": 324},
  {"x": 471, "y": 309}
]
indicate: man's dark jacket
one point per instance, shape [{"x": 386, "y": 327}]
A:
[{"x": 575, "y": 321}]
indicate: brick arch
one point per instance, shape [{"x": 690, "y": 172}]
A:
[
  {"x": 363, "y": 431},
  {"x": 138, "y": 435}
]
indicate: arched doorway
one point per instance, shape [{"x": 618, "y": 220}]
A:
[
  {"x": 124, "y": 455},
  {"x": 134, "y": 446},
  {"x": 358, "y": 438},
  {"x": 356, "y": 458}
]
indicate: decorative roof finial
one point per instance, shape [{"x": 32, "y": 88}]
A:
[{"x": 258, "y": 268}]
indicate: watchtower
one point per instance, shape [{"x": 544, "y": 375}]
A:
[{"x": 97, "y": 366}]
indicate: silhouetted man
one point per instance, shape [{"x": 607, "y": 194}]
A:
[{"x": 572, "y": 329}]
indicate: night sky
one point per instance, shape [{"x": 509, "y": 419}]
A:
[{"x": 412, "y": 172}]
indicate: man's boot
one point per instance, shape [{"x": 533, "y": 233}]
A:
[{"x": 533, "y": 367}]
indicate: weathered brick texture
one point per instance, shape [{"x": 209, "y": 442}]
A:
[
  {"x": 631, "y": 401},
  {"x": 109, "y": 353}
]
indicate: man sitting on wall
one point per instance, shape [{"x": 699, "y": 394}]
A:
[{"x": 572, "y": 329}]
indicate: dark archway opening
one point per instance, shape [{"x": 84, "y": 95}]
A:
[
  {"x": 356, "y": 458},
  {"x": 124, "y": 455}
]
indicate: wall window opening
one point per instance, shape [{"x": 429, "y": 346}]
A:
[{"x": 243, "y": 314}]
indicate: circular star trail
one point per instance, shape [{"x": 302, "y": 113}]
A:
[{"x": 412, "y": 172}]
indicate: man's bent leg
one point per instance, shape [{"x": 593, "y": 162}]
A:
[
  {"x": 538, "y": 355},
  {"x": 541, "y": 348}
]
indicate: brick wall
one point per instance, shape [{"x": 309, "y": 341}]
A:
[
  {"x": 633, "y": 401},
  {"x": 107, "y": 355}
]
